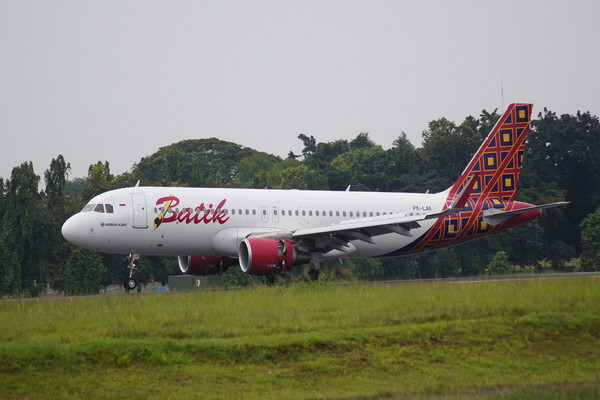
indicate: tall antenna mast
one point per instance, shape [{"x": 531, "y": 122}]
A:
[{"x": 502, "y": 90}]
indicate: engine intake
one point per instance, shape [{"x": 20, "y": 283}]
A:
[
  {"x": 258, "y": 256},
  {"x": 204, "y": 265}
]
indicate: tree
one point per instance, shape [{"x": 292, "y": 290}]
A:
[
  {"x": 566, "y": 151},
  {"x": 403, "y": 156},
  {"x": 234, "y": 277},
  {"x": 442, "y": 149},
  {"x": 257, "y": 171},
  {"x": 590, "y": 242},
  {"x": 300, "y": 177},
  {"x": 448, "y": 148},
  {"x": 99, "y": 180},
  {"x": 365, "y": 168},
  {"x": 318, "y": 157},
  {"x": 172, "y": 158},
  {"x": 526, "y": 244},
  {"x": 362, "y": 141},
  {"x": 23, "y": 227},
  {"x": 499, "y": 263},
  {"x": 368, "y": 268},
  {"x": 56, "y": 180},
  {"x": 310, "y": 144},
  {"x": 84, "y": 272},
  {"x": 56, "y": 211},
  {"x": 558, "y": 253}
]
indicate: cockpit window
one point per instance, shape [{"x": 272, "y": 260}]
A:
[{"x": 99, "y": 208}]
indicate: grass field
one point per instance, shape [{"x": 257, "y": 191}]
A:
[{"x": 487, "y": 340}]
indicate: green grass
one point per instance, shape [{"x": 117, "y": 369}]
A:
[{"x": 487, "y": 340}]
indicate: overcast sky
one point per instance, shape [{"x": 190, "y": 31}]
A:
[{"x": 116, "y": 80}]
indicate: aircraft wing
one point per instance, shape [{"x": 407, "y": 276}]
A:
[{"x": 337, "y": 236}]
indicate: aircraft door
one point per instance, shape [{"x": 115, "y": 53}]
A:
[{"x": 140, "y": 218}]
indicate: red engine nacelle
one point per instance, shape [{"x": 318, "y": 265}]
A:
[
  {"x": 204, "y": 265},
  {"x": 259, "y": 256}
]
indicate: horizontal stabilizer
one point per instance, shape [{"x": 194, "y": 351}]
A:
[{"x": 495, "y": 216}]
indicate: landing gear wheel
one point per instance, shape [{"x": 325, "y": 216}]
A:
[
  {"x": 313, "y": 274},
  {"x": 130, "y": 284}
]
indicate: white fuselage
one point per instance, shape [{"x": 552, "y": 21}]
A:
[{"x": 213, "y": 221}]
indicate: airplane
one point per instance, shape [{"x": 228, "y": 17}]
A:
[{"x": 268, "y": 231}]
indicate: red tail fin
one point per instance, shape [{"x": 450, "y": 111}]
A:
[{"x": 498, "y": 160}]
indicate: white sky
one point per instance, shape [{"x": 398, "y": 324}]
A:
[{"x": 116, "y": 80}]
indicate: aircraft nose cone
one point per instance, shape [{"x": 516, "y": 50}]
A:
[{"x": 70, "y": 231}]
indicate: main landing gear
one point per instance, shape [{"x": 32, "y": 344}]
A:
[{"x": 131, "y": 283}]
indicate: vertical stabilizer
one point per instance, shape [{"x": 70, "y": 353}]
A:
[
  {"x": 492, "y": 176},
  {"x": 498, "y": 161}
]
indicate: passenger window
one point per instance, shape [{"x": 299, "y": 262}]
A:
[
  {"x": 99, "y": 208},
  {"x": 253, "y": 212},
  {"x": 247, "y": 212},
  {"x": 296, "y": 213},
  {"x": 109, "y": 208}
]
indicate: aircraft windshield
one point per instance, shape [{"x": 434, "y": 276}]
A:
[{"x": 101, "y": 208}]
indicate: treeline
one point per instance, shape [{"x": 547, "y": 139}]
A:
[{"x": 561, "y": 163}]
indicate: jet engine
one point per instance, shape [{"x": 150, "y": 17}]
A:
[
  {"x": 204, "y": 265},
  {"x": 259, "y": 256}
]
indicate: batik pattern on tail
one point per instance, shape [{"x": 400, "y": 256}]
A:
[{"x": 496, "y": 167}]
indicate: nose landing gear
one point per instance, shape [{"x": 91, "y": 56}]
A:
[{"x": 131, "y": 283}]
